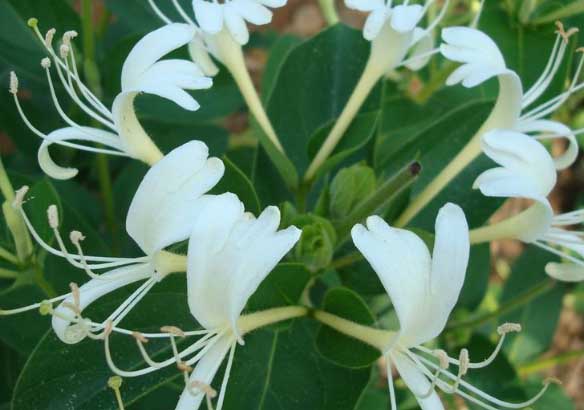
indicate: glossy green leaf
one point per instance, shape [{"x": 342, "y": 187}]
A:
[{"x": 235, "y": 181}]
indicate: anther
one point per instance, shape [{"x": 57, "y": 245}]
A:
[
  {"x": 76, "y": 237},
  {"x": 46, "y": 62},
  {"x": 442, "y": 357},
  {"x": 33, "y": 22},
  {"x": 183, "y": 367},
  {"x": 464, "y": 362},
  {"x": 19, "y": 196},
  {"x": 46, "y": 308},
  {"x": 49, "y": 38},
  {"x": 108, "y": 328},
  {"x": 580, "y": 50},
  {"x": 13, "y": 83},
  {"x": 563, "y": 33},
  {"x": 205, "y": 388},
  {"x": 508, "y": 328},
  {"x": 173, "y": 330},
  {"x": 552, "y": 380},
  {"x": 53, "y": 216},
  {"x": 68, "y": 36},
  {"x": 139, "y": 337},
  {"x": 64, "y": 51}
]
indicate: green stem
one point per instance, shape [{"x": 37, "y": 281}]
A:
[
  {"x": 329, "y": 11},
  {"x": 544, "y": 364},
  {"x": 379, "y": 339},
  {"x": 507, "y": 307},
  {"x": 93, "y": 78}
]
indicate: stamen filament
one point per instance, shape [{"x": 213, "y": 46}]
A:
[
  {"x": 226, "y": 376},
  {"x": 182, "y": 13},
  {"x": 159, "y": 12}
]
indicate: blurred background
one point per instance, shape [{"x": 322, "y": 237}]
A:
[{"x": 556, "y": 346}]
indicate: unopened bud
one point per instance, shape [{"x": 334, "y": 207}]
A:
[
  {"x": 115, "y": 382},
  {"x": 76, "y": 237},
  {"x": 53, "y": 216},
  {"x": 19, "y": 196},
  {"x": 509, "y": 328},
  {"x": 46, "y": 62},
  {"x": 173, "y": 330},
  {"x": 33, "y": 22}
]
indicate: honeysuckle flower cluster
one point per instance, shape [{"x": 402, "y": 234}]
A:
[{"x": 231, "y": 251}]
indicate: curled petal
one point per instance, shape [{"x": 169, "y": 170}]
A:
[
  {"x": 209, "y": 15},
  {"x": 565, "y": 272},
  {"x": 405, "y": 18}
]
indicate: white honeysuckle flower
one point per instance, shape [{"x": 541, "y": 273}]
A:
[
  {"x": 232, "y": 15},
  {"x": 161, "y": 214},
  {"x": 142, "y": 72},
  {"x": 528, "y": 171},
  {"x": 230, "y": 253},
  {"x": 482, "y": 60},
  {"x": 393, "y": 29},
  {"x": 424, "y": 289}
]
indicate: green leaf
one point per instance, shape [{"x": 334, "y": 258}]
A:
[
  {"x": 278, "y": 54},
  {"x": 477, "y": 277},
  {"x": 540, "y": 317},
  {"x": 313, "y": 85},
  {"x": 349, "y": 187},
  {"x": 235, "y": 181},
  {"x": 337, "y": 347},
  {"x": 284, "y": 286}
]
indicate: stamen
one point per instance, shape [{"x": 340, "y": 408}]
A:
[
  {"x": 64, "y": 51},
  {"x": 76, "y": 295},
  {"x": 173, "y": 330},
  {"x": 13, "y": 83},
  {"x": 46, "y": 308},
  {"x": 207, "y": 390},
  {"x": 49, "y": 38},
  {"x": 508, "y": 328},
  {"x": 443, "y": 361},
  {"x": 390, "y": 383},
  {"x": 115, "y": 383},
  {"x": 182, "y": 13},
  {"x": 159, "y": 12},
  {"x": 226, "y": 377},
  {"x": 563, "y": 33},
  {"x": 68, "y": 36},
  {"x": 33, "y": 22}
]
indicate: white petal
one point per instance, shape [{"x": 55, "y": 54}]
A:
[
  {"x": 423, "y": 44},
  {"x": 402, "y": 262},
  {"x": 165, "y": 205},
  {"x": 252, "y": 11},
  {"x": 236, "y": 24},
  {"x": 557, "y": 130},
  {"x": 374, "y": 23},
  {"x": 209, "y": 270},
  {"x": 209, "y": 15},
  {"x": 365, "y": 5},
  {"x": 72, "y": 134},
  {"x": 449, "y": 263},
  {"x": 205, "y": 372},
  {"x": 92, "y": 291},
  {"x": 201, "y": 57},
  {"x": 524, "y": 158},
  {"x": 405, "y": 18},
  {"x": 565, "y": 272},
  {"x": 230, "y": 254},
  {"x": 416, "y": 382},
  {"x": 152, "y": 48}
]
